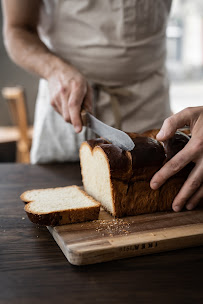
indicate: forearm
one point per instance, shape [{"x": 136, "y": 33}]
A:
[
  {"x": 28, "y": 51},
  {"x": 68, "y": 88}
]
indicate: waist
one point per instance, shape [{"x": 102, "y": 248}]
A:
[{"x": 115, "y": 66}]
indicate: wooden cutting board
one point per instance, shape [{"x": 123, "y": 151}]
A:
[{"x": 110, "y": 239}]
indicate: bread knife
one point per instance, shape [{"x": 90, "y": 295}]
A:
[{"x": 115, "y": 136}]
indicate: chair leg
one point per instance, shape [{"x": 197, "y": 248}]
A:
[
  {"x": 22, "y": 153},
  {"x": 16, "y": 102}
]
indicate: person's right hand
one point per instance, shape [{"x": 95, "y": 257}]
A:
[{"x": 69, "y": 91}]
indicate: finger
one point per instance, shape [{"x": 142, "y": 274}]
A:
[
  {"x": 55, "y": 106},
  {"x": 172, "y": 123},
  {"x": 191, "y": 185},
  {"x": 174, "y": 165},
  {"x": 74, "y": 104},
  {"x": 58, "y": 104},
  {"x": 195, "y": 199},
  {"x": 64, "y": 106},
  {"x": 87, "y": 103}
]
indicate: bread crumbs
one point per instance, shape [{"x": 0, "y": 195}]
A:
[{"x": 112, "y": 227}]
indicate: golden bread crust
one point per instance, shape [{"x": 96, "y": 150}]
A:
[{"x": 64, "y": 217}]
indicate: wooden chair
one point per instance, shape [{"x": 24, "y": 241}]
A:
[{"x": 20, "y": 133}]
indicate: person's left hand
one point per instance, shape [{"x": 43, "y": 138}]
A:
[{"x": 192, "y": 191}]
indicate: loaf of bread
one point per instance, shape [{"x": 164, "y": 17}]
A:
[
  {"x": 120, "y": 180},
  {"x": 60, "y": 206}
]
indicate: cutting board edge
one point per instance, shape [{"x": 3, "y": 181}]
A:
[{"x": 77, "y": 257}]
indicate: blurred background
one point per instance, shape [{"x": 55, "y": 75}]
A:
[
  {"x": 185, "y": 53},
  {"x": 184, "y": 63}
]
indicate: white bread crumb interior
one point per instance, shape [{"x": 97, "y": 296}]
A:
[
  {"x": 96, "y": 175},
  {"x": 57, "y": 199}
]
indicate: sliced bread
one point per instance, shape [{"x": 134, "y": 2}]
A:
[
  {"x": 120, "y": 179},
  {"x": 60, "y": 206}
]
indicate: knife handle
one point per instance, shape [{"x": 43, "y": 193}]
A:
[{"x": 84, "y": 118}]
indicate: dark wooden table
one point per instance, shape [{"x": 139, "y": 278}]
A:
[{"x": 34, "y": 270}]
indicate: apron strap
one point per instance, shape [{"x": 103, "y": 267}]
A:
[{"x": 114, "y": 94}]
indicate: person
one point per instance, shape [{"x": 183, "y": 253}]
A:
[{"x": 108, "y": 57}]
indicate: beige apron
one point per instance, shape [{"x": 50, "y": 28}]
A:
[{"x": 119, "y": 46}]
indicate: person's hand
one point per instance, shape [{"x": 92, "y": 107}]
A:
[
  {"x": 192, "y": 191},
  {"x": 69, "y": 91}
]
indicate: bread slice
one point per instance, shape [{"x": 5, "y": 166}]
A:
[
  {"x": 95, "y": 169},
  {"x": 60, "y": 206}
]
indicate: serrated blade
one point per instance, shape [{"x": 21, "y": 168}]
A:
[{"x": 115, "y": 136}]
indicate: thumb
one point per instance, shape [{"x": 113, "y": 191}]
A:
[{"x": 172, "y": 123}]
